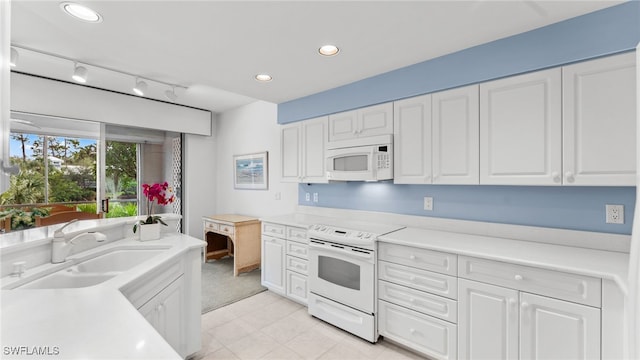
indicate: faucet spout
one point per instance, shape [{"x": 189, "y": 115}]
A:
[{"x": 62, "y": 247}]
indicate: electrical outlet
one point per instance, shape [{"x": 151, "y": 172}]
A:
[
  {"x": 428, "y": 203},
  {"x": 315, "y": 197},
  {"x": 615, "y": 214},
  {"x": 307, "y": 197}
]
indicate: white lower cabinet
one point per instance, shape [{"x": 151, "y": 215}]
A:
[
  {"x": 163, "y": 312},
  {"x": 273, "y": 267},
  {"x": 285, "y": 261},
  {"x": 501, "y": 323},
  {"x": 426, "y": 334}
]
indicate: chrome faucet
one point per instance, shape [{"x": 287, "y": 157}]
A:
[{"x": 62, "y": 245}]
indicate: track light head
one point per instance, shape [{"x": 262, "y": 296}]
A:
[
  {"x": 14, "y": 57},
  {"x": 171, "y": 94},
  {"x": 80, "y": 74},
  {"x": 140, "y": 87}
]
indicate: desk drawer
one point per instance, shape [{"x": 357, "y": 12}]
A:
[
  {"x": 298, "y": 249},
  {"x": 435, "y": 283},
  {"x": 226, "y": 229},
  {"x": 560, "y": 285},
  {"x": 297, "y": 234},
  {"x": 298, "y": 265},
  {"x": 273, "y": 230},
  {"x": 210, "y": 226},
  {"x": 419, "y": 258}
]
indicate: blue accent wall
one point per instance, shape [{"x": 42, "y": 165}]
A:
[
  {"x": 609, "y": 31},
  {"x": 568, "y": 207},
  {"x": 604, "y": 32}
]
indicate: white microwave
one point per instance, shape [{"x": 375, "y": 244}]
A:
[{"x": 364, "y": 159}]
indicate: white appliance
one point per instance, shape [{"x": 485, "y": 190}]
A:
[
  {"x": 361, "y": 159},
  {"x": 342, "y": 275}
]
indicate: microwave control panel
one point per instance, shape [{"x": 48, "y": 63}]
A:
[{"x": 383, "y": 157}]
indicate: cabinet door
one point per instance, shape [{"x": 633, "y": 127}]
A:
[
  {"x": 456, "y": 136},
  {"x": 297, "y": 288},
  {"x": 375, "y": 120},
  {"x": 412, "y": 141},
  {"x": 599, "y": 122},
  {"x": 343, "y": 125},
  {"x": 273, "y": 264},
  {"x": 487, "y": 321},
  {"x": 520, "y": 130},
  {"x": 290, "y": 148},
  {"x": 556, "y": 329},
  {"x": 315, "y": 138},
  {"x": 164, "y": 311},
  {"x": 169, "y": 315}
]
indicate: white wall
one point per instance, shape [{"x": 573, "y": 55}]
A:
[
  {"x": 199, "y": 177},
  {"x": 249, "y": 129}
]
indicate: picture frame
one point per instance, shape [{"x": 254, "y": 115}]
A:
[{"x": 251, "y": 171}]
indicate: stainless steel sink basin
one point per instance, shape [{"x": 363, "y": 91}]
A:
[{"x": 94, "y": 270}]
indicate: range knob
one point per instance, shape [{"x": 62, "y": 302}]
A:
[
  {"x": 359, "y": 234},
  {"x": 367, "y": 235}
]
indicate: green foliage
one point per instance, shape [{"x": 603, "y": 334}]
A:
[
  {"x": 21, "y": 219},
  {"x": 25, "y": 188},
  {"x": 88, "y": 208},
  {"x": 61, "y": 189},
  {"x": 122, "y": 210}
]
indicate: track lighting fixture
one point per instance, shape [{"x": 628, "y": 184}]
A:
[
  {"x": 79, "y": 74},
  {"x": 14, "y": 57},
  {"x": 140, "y": 87},
  {"x": 171, "y": 94}
]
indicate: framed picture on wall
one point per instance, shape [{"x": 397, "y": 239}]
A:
[{"x": 251, "y": 171}]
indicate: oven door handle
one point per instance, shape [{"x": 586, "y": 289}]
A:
[{"x": 342, "y": 249}]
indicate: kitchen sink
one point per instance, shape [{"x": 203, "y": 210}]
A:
[
  {"x": 118, "y": 260},
  {"x": 94, "y": 270},
  {"x": 68, "y": 278}
]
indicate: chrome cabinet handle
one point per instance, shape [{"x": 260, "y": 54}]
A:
[
  {"x": 570, "y": 176},
  {"x": 518, "y": 277}
]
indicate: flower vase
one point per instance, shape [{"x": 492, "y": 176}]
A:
[{"x": 149, "y": 231}]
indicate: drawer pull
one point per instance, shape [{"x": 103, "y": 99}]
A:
[
  {"x": 298, "y": 288},
  {"x": 412, "y": 278},
  {"x": 518, "y": 277},
  {"x": 412, "y": 331},
  {"x": 412, "y": 300},
  {"x": 299, "y": 267},
  {"x": 412, "y": 257}
]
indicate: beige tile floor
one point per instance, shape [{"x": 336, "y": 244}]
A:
[{"x": 269, "y": 326}]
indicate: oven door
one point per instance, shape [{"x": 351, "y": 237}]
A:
[{"x": 343, "y": 274}]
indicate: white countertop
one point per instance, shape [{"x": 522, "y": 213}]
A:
[
  {"x": 95, "y": 322},
  {"x": 597, "y": 263},
  {"x": 298, "y": 220}
]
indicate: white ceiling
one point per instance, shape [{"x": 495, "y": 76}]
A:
[{"x": 216, "y": 47}]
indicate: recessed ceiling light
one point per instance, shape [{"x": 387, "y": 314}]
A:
[
  {"x": 264, "y": 77},
  {"x": 328, "y": 50},
  {"x": 81, "y": 12}
]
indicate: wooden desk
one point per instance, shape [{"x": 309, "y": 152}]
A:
[{"x": 233, "y": 235}]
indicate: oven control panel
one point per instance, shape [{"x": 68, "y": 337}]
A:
[{"x": 331, "y": 232}]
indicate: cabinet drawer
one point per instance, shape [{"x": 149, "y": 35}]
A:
[
  {"x": 429, "y": 304},
  {"x": 439, "y": 284},
  {"x": 430, "y": 336},
  {"x": 210, "y": 226},
  {"x": 298, "y": 265},
  {"x": 298, "y": 249},
  {"x": 419, "y": 258},
  {"x": 571, "y": 287},
  {"x": 273, "y": 229},
  {"x": 297, "y": 234},
  {"x": 297, "y": 287}
]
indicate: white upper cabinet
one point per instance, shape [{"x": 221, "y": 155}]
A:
[
  {"x": 412, "y": 141},
  {"x": 369, "y": 121},
  {"x": 456, "y": 136},
  {"x": 290, "y": 149},
  {"x": 436, "y": 138},
  {"x": 599, "y": 121},
  {"x": 520, "y": 130},
  {"x": 302, "y": 151}
]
